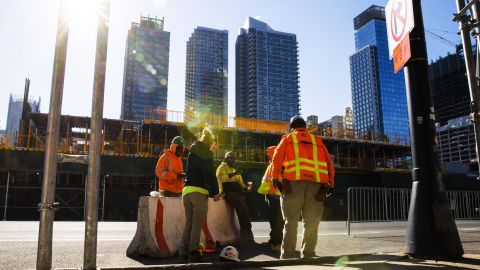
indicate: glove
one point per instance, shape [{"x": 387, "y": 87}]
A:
[
  {"x": 277, "y": 184},
  {"x": 287, "y": 188},
  {"x": 324, "y": 192}
]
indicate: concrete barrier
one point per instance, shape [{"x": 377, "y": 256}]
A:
[{"x": 161, "y": 221}]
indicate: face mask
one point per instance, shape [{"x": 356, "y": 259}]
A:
[{"x": 179, "y": 151}]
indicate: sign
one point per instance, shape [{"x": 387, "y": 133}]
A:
[
  {"x": 399, "y": 17},
  {"x": 401, "y": 54}
]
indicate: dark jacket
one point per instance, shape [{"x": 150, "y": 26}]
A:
[{"x": 200, "y": 169}]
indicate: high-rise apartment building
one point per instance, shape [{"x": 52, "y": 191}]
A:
[
  {"x": 145, "y": 74},
  {"x": 378, "y": 94},
  {"x": 15, "y": 109},
  {"x": 206, "y": 79},
  {"x": 267, "y": 79},
  {"x": 451, "y": 97}
]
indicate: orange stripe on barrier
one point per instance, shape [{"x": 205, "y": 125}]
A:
[
  {"x": 160, "y": 237},
  {"x": 209, "y": 242}
]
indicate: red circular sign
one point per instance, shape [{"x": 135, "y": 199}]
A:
[{"x": 398, "y": 19}]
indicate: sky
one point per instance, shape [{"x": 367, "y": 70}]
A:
[{"x": 324, "y": 31}]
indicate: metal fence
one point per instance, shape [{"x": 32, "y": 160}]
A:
[{"x": 367, "y": 204}]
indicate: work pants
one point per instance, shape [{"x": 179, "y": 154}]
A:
[
  {"x": 275, "y": 219},
  {"x": 196, "y": 207},
  {"x": 167, "y": 193},
  {"x": 236, "y": 200},
  {"x": 301, "y": 201}
]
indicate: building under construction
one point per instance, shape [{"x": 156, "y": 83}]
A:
[{"x": 131, "y": 149}]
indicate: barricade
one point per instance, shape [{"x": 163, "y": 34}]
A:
[
  {"x": 161, "y": 221},
  {"x": 367, "y": 204}
]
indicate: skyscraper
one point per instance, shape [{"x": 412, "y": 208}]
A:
[
  {"x": 206, "y": 79},
  {"x": 15, "y": 108},
  {"x": 267, "y": 79},
  {"x": 451, "y": 97},
  {"x": 145, "y": 74},
  {"x": 378, "y": 94}
]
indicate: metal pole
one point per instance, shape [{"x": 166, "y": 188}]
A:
[
  {"x": 91, "y": 221},
  {"x": 431, "y": 229},
  {"x": 472, "y": 81},
  {"x": 103, "y": 197},
  {"x": 46, "y": 207},
  {"x": 6, "y": 197}
]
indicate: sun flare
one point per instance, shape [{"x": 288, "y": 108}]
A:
[{"x": 81, "y": 13}]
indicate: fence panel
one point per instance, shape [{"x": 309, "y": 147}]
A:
[{"x": 367, "y": 204}]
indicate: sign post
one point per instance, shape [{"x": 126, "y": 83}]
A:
[{"x": 431, "y": 229}]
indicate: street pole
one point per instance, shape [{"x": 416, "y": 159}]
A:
[
  {"x": 472, "y": 75},
  {"x": 94, "y": 157},
  {"x": 47, "y": 205},
  {"x": 431, "y": 229}
]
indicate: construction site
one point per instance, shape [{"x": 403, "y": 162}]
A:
[{"x": 130, "y": 151}]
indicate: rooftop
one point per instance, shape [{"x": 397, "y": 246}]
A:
[{"x": 373, "y": 12}]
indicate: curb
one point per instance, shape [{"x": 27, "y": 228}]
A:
[{"x": 242, "y": 264}]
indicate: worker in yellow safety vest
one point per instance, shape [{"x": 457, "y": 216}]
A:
[
  {"x": 308, "y": 178},
  {"x": 272, "y": 198}
]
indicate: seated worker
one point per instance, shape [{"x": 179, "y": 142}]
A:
[
  {"x": 169, "y": 169},
  {"x": 272, "y": 198},
  {"x": 230, "y": 184}
]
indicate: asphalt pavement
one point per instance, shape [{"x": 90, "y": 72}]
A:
[{"x": 18, "y": 245}]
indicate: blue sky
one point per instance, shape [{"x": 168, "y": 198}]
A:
[{"x": 324, "y": 31}]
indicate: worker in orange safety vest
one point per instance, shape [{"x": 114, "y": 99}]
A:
[
  {"x": 308, "y": 178},
  {"x": 169, "y": 169},
  {"x": 272, "y": 198}
]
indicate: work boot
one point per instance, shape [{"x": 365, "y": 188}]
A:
[
  {"x": 276, "y": 248},
  {"x": 196, "y": 257},
  {"x": 307, "y": 255},
  {"x": 246, "y": 237}
]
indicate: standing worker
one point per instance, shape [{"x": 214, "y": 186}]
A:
[
  {"x": 308, "y": 178},
  {"x": 199, "y": 185},
  {"x": 231, "y": 185},
  {"x": 169, "y": 169},
  {"x": 272, "y": 198}
]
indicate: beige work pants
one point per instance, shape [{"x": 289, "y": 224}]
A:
[
  {"x": 196, "y": 208},
  {"x": 301, "y": 201}
]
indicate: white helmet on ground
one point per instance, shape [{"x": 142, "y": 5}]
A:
[{"x": 229, "y": 253}]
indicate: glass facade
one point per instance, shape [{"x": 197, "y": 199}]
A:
[
  {"x": 15, "y": 109},
  {"x": 378, "y": 94},
  {"x": 206, "y": 79},
  {"x": 267, "y": 79},
  {"x": 145, "y": 75}
]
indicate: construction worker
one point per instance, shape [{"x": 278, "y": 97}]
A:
[
  {"x": 169, "y": 169},
  {"x": 199, "y": 185},
  {"x": 231, "y": 185},
  {"x": 272, "y": 198},
  {"x": 308, "y": 178}
]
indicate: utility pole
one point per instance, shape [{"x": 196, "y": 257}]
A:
[
  {"x": 466, "y": 24},
  {"x": 48, "y": 205},
  {"x": 94, "y": 157},
  {"x": 431, "y": 230}
]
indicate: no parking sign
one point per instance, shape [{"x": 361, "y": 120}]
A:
[{"x": 399, "y": 17}]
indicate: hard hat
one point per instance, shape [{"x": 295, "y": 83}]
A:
[
  {"x": 178, "y": 141},
  {"x": 230, "y": 155},
  {"x": 297, "y": 122},
  {"x": 229, "y": 253}
]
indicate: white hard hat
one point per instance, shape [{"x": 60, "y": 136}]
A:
[{"x": 229, "y": 253}]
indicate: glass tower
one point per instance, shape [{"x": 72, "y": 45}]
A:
[
  {"x": 206, "y": 79},
  {"x": 145, "y": 74},
  {"x": 378, "y": 94},
  {"x": 267, "y": 80}
]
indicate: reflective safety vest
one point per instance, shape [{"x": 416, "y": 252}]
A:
[
  {"x": 267, "y": 186},
  {"x": 168, "y": 166},
  {"x": 304, "y": 157}
]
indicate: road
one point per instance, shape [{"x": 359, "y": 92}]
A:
[{"x": 18, "y": 242}]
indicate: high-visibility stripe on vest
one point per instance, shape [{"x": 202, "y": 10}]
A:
[
  {"x": 299, "y": 163},
  {"x": 267, "y": 187}
]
